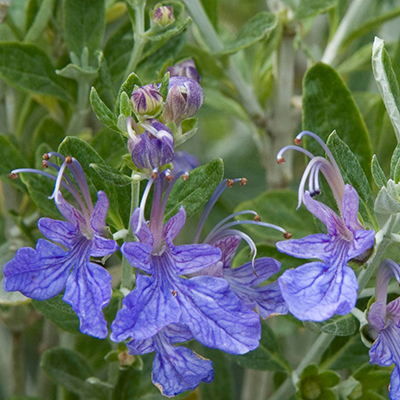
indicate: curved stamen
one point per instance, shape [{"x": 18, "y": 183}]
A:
[
  {"x": 323, "y": 145},
  {"x": 245, "y": 237},
  {"x": 279, "y": 156},
  {"x": 220, "y": 223},
  {"x": 130, "y": 126},
  {"x": 243, "y": 222},
  {"x": 157, "y": 134},
  {"x": 60, "y": 174},
  {"x": 55, "y": 154},
  {"x": 143, "y": 205},
  {"x": 213, "y": 199}
]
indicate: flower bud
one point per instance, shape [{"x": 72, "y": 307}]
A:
[
  {"x": 162, "y": 16},
  {"x": 185, "y": 68},
  {"x": 185, "y": 97},
  {"x": 147, "y": 101},
  {"x": 153, "y": 148}
]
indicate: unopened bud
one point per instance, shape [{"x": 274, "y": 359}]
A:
[
  {"x": 185, "y": 68},
  {"x": 162, "y": 16},
  {"x": 147, "y": 101},
  {"x": 185, "y": 97}
]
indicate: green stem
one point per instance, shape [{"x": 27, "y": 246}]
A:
[
  {"x": 213, "y": 42},
  {"x": 320, "y": 345},
  {"x": 81, "y": 110},
  {"x": 353, "y": 16},
  {"x": 127, "y": 270},
  {"x": 17, "y": 364},
  {"x": 139, "y": 39}
]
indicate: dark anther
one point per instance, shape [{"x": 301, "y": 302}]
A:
[
  {"x": 243, "y": 182},
  {"x": 46, "y": 157},
  {"x": 257, "y": 218},
  {"x": 185, "y": 177},
  {"x": 280, "y": 160},
  {"x": 287, "y": 235},
  {"x": 174, "y": 293},
  {"x": 154, "y": 175},
  {"x": 312, "y": 194},
  {"x": 68, "y": 160},
  {"x": 13, "y": 175},
  {"x": 297, "y": 141},
  {"x": 169, "y": 177},
  {"x": 44, "y": 164},
  {"x": 230, "y": 183},
  {"x": 317, "y": 192}
]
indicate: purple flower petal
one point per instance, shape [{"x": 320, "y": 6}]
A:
[
  {"x": 144, "y": 234},
  {"x": 350, "y": 208},
  {"x": 39, "y": 274},
  {"x": 363, "y": 240},
  {"x": 103, "y": 247},
  {"x": 380, "y": 352},
  {"x": 394, "y": 388},
  {"x": 88, "y": 290},
  {"x": 269, "y": 300},
  {"x": 194, "y": 257},
  {"x": 313, "y": 246},
  {"x": 177, "y": 333},
  {"x": 138, "y": 255},
  {"x": 325, "y": 214},
  {"x": 216, "y": 316},
  {"x": 146, "y": 310},
  {"x": 70, "y": 213},
  {"x": 174, "y": 225},
  {"x": 99, "y": 213},
  {"x": 60, "y": 231},
  {"x": 138, "y": 347},
  {"x": 177, "y": 369},
  {"x": 393, "y": 311},
  {"x": 244, "y": 275},
  {"x": 316, "y": 291},
  {"x": 377, "y": 315},
  {"x": 228, "y": 246}
]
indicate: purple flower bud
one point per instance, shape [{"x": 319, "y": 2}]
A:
[
  {"x": 185, "y": 97},
  {"x": 162, "y": 16},
  {"x": 185, "y": 68},
  {"x": 147, "y": 101},
  {"x": 153, "y": 148}
]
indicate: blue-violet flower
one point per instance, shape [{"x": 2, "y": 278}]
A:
[
  {"x": 316, "y": 291},
  {"x": 43, "y": 273}
]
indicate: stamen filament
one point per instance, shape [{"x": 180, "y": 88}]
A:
[
  {"x": 293, "y": 147},
  {"x": 143, "y": 205}
]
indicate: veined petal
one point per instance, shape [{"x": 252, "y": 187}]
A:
[
  {"x": 363, "y": 240},
  {"x": 394, "y": 388},
  {"x": 146, "y": 310},
  {"x": 174, "y": 225},
  {"x": 88, "y": 290},
  {"x": 177, "y": 333},
  {"x": 377, "y": 315},
  {"x": 244, "y": 275},
  {"x": 144, "y": 234},
  {"x": 103, "y": 247},
  {"x": 350, "y": 208},
  {"x": 70, "y": 213},
  {"x": 138, "y": 255},
  {"x": 216, "y": 316},
  {"x": 99, "y": 213},
  {"x": 312, "y": 246},
  {"x": 39, "y": 274},
  {"x": 138, "y": 347},
  {"x": 60, "y": 231},
  {"x": 393, "y": 312},
  {"x": 325, "y": 214},
  {"x": 315, "y": 291},
  {"x": 177, "y": 369},
  {"x": 269, "y": 300},
  {"x": 228, "y": 246},
  {"x": 194, "y": 257},
  {"x": 380, "y": 352}
]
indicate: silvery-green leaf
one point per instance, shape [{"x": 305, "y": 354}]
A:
[{"x": 387, "y": 83}]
